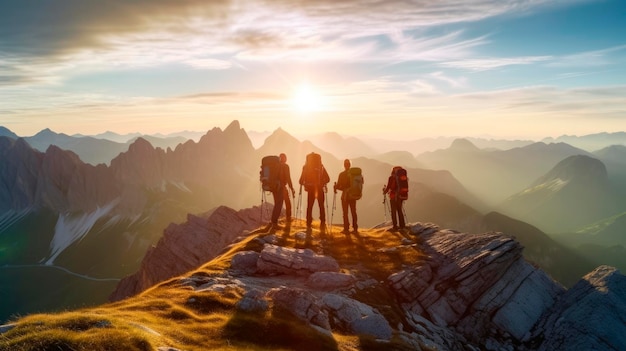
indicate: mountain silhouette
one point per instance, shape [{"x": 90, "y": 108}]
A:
[
  {"x": 591, "y": 142},
  {"x": 96, "y": 150},
  {"x": 494, "y": 175},
  {"x": 574, "y": 193},
  {"x": 58, "y": 212},
  {"x": 342, "y": 147},
  {"x": 7, "y": 133}
]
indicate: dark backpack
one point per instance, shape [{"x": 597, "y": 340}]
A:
[
  {"x": 313, "y": 171},
  {"x": 402, "y": 183},
  {"x": 355, "y": 191},
  {"x": 270, "y": 173}
]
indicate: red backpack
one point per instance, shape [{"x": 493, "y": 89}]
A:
[{"x": 401, "y": 183}]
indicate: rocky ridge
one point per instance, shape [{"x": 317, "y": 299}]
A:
[{"x": 428, "y": 288}]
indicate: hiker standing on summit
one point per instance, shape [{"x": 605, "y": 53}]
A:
[
  {"x": 398, "y": 189},
  {"x": 314, "y": 179},
  {"x": 350, "y": 182},
  {"x": 285, "y": 180}
]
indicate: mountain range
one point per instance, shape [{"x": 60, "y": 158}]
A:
[{"x": 59, "y": 212}]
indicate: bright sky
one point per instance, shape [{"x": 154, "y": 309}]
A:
[{"x": 502, "y": 68}]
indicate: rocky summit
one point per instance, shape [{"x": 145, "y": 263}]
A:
[{"x": 425, "y": 288}]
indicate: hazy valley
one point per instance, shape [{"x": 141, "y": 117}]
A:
[{"x": 95, "y": 206}]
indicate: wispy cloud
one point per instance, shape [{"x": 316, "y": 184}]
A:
[
  {"x": 210, "y": 35},
  {"x": 493, "y": 63},
  {"x": 589, "y": 58}
]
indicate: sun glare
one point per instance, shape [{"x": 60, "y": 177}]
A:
[{"x": 305, "y": 99}]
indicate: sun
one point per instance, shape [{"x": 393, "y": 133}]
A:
[{"x": 306, "y": 99}]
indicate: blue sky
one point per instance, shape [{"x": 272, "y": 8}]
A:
[{"x": 406, "y": 69}]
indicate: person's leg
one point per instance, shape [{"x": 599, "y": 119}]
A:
[
  {"x": 401, "y": 213},
  {"x": 344, "y": 208},
  {"x": 309, "y": 207},
  {"x": 320, "y": 200},
  {"x": 394, "y": 209},
  {"x": 278, "y": 205},
  {"x": 355, "y": 222},
  {"x": 287, "y": 204}
]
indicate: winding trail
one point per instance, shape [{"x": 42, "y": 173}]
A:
[{"x": 62, "y": 269}]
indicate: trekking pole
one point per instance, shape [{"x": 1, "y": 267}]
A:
[
  {"x": 385, "y": 202},
  {"x": 406, "y": 220},
  {"x": 333, "y": 211},
  {"x": 299, "y": 208},
  {"x": 326, "y": 202},
  {"x": 261, "y": 209}
]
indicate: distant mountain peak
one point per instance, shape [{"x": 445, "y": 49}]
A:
[
  {"x": 281, "y": 136},
  {"x": 578, "y": 167},
  {"x": 140, "y": 144},
  {"x": 8, "y": 133},
  {"x": 46, "y": 131},
  {"x": 462, "y": 144},
  {"x": 233, "y": 126}
]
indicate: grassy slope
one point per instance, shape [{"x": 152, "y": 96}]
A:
[{"x": 172, "y": 314}]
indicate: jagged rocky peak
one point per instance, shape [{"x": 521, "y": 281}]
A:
[
  {"x": 186, "y": 246},
  {"x": 55, "y": 154},
  {"x": 141, "y": 146},
  {"x": 233, "y": 139}
]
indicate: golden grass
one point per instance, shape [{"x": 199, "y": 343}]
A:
[{"x": 173, "y": 314}]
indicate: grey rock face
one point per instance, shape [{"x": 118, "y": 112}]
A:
[
  {"x": 281, "y": 260},
  {"x": 466, "y": 292},
  {"x": 187, "y": 246},
  {"x": 589, "y": 316}
]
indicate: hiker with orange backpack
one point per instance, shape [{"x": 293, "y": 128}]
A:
[
  {"x": 398, "y": 189},
  {"x": 314, "y": 179}
]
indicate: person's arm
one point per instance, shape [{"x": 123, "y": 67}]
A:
[
  {"x": 388, "y": 187},
  {"x": 288, "y": 178},
  {"x": 338, "y": 183},
  {"x": 325, "y": 176}
]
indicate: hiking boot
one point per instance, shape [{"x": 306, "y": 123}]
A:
[
  {"x": 356, "y": 231},
  {"x": 274, "y": 227},
  {"x": 345, "y": 231}
]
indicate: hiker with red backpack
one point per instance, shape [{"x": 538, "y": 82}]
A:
[
  {"x": 314, "y": 179},
  {"x": 285, "y": 177},
  {"x": 398, "y": 189},
  {"x": 350, "y": 182}
]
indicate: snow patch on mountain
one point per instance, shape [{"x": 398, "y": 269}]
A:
[
  {"x": 73, "y": 227},
  {"x": 553, "y": 185},
  {"x": 180, "y": 185},
  {"x": 10, "y": 217}
]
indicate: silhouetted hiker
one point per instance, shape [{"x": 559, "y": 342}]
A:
[
  {"x": 314, "y": 178},
  {"x": 398, "y": 189},
  {"x": 285, "y": 179},
  {"x": 350, "y": 182},
  {"x": 271, "y": 180}
]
